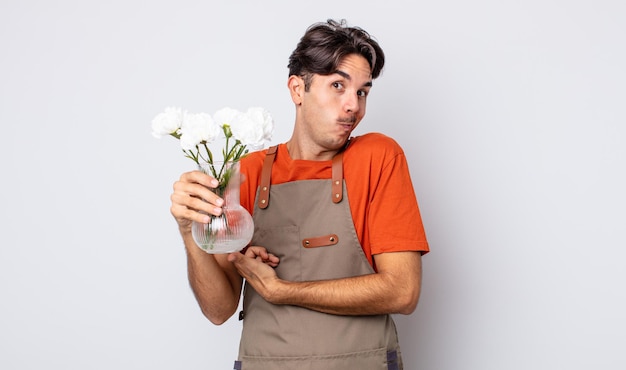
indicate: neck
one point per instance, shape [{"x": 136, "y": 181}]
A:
[{"x": 302, "y": 151}]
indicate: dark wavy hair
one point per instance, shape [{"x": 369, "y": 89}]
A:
[{"x": 325, "y": 44}]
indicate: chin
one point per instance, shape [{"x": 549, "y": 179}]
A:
[{"x": 339, "y": 143}]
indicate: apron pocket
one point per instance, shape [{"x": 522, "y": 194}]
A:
[{"x": 284, "y": 243}]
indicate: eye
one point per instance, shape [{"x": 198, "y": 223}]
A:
[
  {"x": 362, "y": 93},
  {"x": 338, "y": 85}
]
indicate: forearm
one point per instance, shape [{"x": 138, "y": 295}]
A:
[
  {"x": 395, "y": 288},
  {"x": 363, "y": 295},
  {"x": 215, "y": 287}
]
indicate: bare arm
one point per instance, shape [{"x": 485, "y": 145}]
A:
[
  {"x": 214, "y": 281},
  {"x": 395, "y": 288}
]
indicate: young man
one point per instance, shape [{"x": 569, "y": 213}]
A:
[{"x": 338, "y": 239}]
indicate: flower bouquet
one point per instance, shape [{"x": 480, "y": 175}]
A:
[{"x": 241, "y": 131}]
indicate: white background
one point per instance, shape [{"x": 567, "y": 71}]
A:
[{"x": 511, "y": 114}]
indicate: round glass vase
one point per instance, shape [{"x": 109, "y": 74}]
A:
[{"x": 232, "y": 230}]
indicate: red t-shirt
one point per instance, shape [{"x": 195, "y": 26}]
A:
[{"x": 382, "y": 200}]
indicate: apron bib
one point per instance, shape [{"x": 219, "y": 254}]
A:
[{"x": 308, "y": 225}]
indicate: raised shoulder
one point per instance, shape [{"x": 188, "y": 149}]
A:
[
  {"x": 376, "y": 140},
  {"x": 375, "y": 145}
]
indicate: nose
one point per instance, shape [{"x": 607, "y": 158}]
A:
[{"x": 351, "y": 103}]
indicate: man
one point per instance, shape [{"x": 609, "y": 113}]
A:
[{"x": 338, "y": 235}]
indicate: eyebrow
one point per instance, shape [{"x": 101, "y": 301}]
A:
[{"x": 349, "y": 78}]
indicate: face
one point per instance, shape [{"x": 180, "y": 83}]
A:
[{"x": 334, "y": 104}]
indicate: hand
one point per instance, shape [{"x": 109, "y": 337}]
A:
[
  {"x": 261, "y": 254},
  {"x": 256, "y": 266},
  {"x": 192, "y": 195}
]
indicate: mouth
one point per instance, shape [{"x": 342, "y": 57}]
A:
[
  {"x": 347, "y": 120},
  {"x": 347, "y": 123},
  {"x": 346, "y": 127}
]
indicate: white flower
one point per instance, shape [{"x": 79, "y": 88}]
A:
[
  {"x": 225, "y": 116},
  {"x": 167, "y": 122},
  {"x": 246, "y": 130},
  {"x": 196, "y": 129},
  {"x": 251, "y": 128},
  {"x": 263, "y": 118}
]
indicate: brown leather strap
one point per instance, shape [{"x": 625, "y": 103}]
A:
[
  {"x": 266, "y": 174},
  {"x": 320, "y": 241},
  {"x": 337, "y": 187}
]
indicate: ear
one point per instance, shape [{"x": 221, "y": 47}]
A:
[{"x": 295, "y": 84}]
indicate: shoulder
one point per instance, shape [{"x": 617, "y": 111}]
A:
[
  {"x": 375, "y": 141},
  {"x": 373, "y": 145}
]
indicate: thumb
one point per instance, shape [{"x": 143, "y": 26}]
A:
[{"x": 235, "y": 257}]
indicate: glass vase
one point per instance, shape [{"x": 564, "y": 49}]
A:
[{"x": 232, "y": 230}]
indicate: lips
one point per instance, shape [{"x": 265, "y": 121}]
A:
[
  {"x": 346, "y": 127},
  {"x": 347, "y": 123}
]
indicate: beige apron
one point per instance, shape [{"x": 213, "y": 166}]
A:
[{"x": 309, "y": 227}]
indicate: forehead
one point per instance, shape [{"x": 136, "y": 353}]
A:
[{"x": 355, "y": 66}]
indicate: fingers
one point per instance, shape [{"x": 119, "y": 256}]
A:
[
  {"x": 192, "y": 195},
  {"x": 260, "y": 275},
  {"x": 261, "y": 254},
  {"x": 272, "y": 260},
  {"x": 235, "y": 257},
  {"x": 250, "y": 267},
  {"x": 243, "y": 264},
  {"x": 199, "y": 177},
  {"x": 256, "y": 251}
]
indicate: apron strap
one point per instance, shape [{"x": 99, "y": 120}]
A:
[
  {"x": 266, "y": 174},
  {"x": 337, "y": 187}
]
